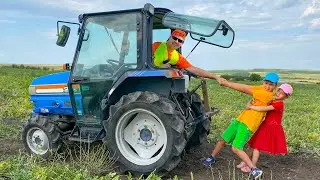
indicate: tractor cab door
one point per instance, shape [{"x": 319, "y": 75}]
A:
[{"x": 107, "y": 48}]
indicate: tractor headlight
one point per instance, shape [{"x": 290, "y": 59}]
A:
[{"x": 32, "y": 90}]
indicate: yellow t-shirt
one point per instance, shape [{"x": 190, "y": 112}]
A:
[{"x": 253, "y": 118}]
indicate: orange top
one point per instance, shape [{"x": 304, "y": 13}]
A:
[
  {"x": 253, "y": 118},
  {"x": 182, "y": 62}
]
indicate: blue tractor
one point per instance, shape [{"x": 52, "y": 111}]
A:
[{"x": 113, "y": 93}]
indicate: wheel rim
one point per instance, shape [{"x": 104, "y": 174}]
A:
[
  {"x": 141, "y": 137},
  {"x": 37, "y": 140}
]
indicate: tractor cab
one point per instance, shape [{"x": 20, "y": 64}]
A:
[{"x": 113, "y": 45}]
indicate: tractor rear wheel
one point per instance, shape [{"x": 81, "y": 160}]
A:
[
  {"x": 202, "y": 128},
  {"x": 146, "y": 133},
  {"x": 40, "y": 136}
]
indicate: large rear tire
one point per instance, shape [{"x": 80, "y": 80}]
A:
[
  {"x": 39, "y": 136},
  {"x": 202, "y": 128},
  {"x": 146, "y": 133}
]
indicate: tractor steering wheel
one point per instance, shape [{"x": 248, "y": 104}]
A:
[{"x": 113, "y": 63}]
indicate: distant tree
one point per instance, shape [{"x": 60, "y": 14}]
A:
[
  {"x": 255, "y": 77},
  {"x": 239, "y": 78},
  {"x": 226, "y": 76}
]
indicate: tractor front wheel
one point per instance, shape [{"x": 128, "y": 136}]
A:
[
  {"x": 39, "y": 136},
  {"x": 145, "y": 132}
]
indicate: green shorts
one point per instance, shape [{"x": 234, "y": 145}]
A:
[{"x": 237, "y": 134}]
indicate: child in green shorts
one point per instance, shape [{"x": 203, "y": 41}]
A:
[{"x": 242, "y": 128}]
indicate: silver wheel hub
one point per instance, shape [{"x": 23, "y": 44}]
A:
[
  {"x": 141, "y": 137},
  {"x": 37, "y": 140},
  {"x": 147, "y": 136}
]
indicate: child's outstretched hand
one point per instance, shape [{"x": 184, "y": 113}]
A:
[
  {"x": 222, "y": 81},
  {"x": 249, "y": 104}
]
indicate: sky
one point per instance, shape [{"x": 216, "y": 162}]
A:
[{"x": 282, "y": 34}]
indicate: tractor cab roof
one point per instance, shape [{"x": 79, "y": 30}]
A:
[
  {"x": 206, "y": 30},
  {"x": 157, "y": 18}
]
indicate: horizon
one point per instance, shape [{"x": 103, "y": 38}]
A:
[{"x": 253, "y": 69}]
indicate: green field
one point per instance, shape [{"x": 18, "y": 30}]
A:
[{"x": 301, "y": 117}]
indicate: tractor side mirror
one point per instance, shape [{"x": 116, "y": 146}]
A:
[
  {"x": 63, "y": 36},
  {"x": 66, "y": 66}
]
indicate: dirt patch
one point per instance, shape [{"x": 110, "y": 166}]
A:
[
  {"x": 289, "y": 167},
  {"x": 9, "y": 147}
]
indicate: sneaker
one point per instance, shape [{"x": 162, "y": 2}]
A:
[
  {"x": 256, "y": 173},
  {"x": 209, "y": 161}
]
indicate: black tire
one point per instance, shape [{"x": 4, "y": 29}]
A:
[
  {"x": 171, "y": 119},
  {"x": 202, "y": 129},
  {"x": 42, "y": 123}
]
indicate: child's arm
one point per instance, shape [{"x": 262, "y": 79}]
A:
[
  {"x": 261, "y": 108},
  {"x": 236, "y": 86}
]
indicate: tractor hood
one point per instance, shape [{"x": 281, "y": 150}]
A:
[
  {"x": 49, "y": 94},
  {"x": 55, "y": 78}
]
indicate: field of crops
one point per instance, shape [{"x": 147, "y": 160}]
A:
[{"x": 301, "y": 118}]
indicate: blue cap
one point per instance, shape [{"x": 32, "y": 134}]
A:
[{"x": 272, "y": 77}]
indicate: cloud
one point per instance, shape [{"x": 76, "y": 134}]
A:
[
  {"x": 252, "y": 14},
  {"x": 315, "y": 24},
  {"x": 279, "y": 42},
  {"x": 312, "y": 10},
  {"x": 7, "y": 21},
  {"x": 270, "y": 4}
]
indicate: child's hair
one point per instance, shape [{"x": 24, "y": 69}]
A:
[{"x": 287, "y": 88}]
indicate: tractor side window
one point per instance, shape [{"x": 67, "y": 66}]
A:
[
  {"x": 161, "y": 35},
  {"x": 109, "y": 46}
]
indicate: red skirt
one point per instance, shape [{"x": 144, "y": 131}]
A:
[{"x": 269, "y": 138}]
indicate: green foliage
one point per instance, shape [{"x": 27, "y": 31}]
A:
[
  {"x": 239, "y": 78},
  {"x": 24, "y": 167},
  {"x": 14, "y": 95},
  {"x": 255, "y": 77},
  {"x": 242, "y": 76},
  {"x": 75, "y": 164},
  {"x": 226, "y": 76}
]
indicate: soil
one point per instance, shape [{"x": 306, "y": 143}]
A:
[
  {"x": 276, "y": 167},
  {"x": 288, "y": 167}
]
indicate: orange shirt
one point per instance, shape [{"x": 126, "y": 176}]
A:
[
  {"x": 182, "y": 62},
  {"x": 253, "y": 118}
]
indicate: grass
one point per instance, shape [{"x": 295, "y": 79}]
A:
[
  {"x": 90, "y": 163},
  {"x": 301, "y": 123}
]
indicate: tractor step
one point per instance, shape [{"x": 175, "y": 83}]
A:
[
  {"x": 87, "y": 134},
  {"x": 78, "y": 139}
]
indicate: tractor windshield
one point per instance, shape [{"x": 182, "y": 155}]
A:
[
  {"x": 216, "y": 32},
  {"x": 109, "y": 46}
]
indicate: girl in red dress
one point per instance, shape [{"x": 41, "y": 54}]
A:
[{"x": 270, "y": 137}]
